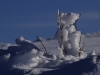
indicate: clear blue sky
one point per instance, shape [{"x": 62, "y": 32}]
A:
[{"x": 29, "y": 18}]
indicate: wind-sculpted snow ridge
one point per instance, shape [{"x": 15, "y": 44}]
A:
[
  {"x": 5, "y": 46},
  {"x": 33, "y": 62},
  {"x": 20, "y": 60},
  {"x": 16, "y": 60},
  {"x": 26, "y": 44},
  {"x": 94, "y": 34}
]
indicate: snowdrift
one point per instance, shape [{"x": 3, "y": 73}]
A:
[{"x": 35, "y": 62}]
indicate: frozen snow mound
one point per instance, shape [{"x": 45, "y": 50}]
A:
[
  {"x": 69, "y": 21},
  {"x": 11, "y": 50},
  {"x": 25, "y": 43},
  {"x": 35, "y": 62},
  {"x": 32, "y": 62},
  {"x": 67, "y": 35}
]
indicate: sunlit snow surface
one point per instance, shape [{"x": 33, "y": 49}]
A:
[{"x": 15, "y": 60}]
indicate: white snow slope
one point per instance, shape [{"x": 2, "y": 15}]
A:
[{"x": 26, "y": 59}]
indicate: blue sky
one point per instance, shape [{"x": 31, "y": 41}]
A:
[{"x": 29, "y": 18}]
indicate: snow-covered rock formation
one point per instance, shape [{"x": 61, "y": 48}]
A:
[{"x": 67, "y": 35}]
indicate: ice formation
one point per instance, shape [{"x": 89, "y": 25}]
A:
[{"x": 67, "y": 35}]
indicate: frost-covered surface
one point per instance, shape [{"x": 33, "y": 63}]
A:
[
  {"x": 34, "y": 61},
  {"x": 67, "y": 34}
]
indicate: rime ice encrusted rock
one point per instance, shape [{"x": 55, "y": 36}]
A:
[{"x": 67, "y": 35}]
